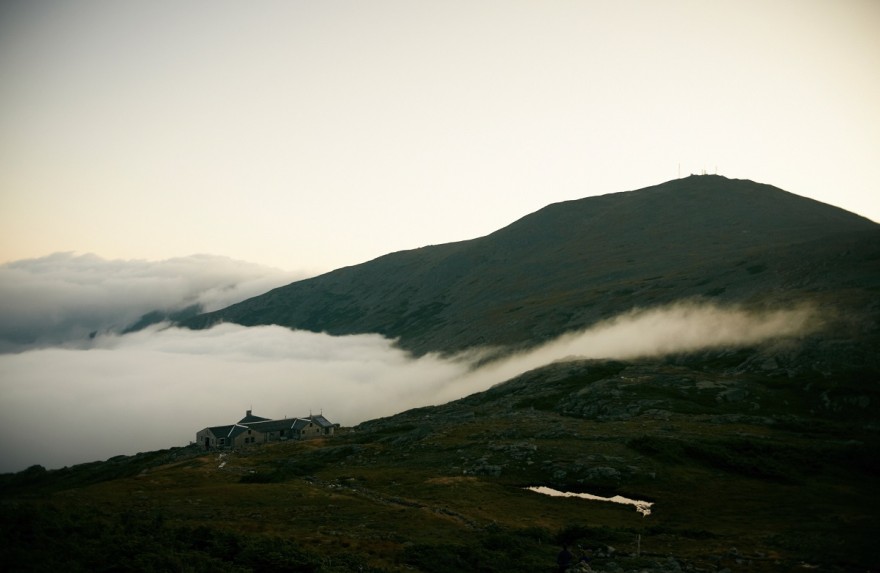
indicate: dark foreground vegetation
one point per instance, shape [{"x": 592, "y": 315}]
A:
[{"x": 748, "y": 470}]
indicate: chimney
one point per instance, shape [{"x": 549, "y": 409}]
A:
[{"x": 248, "y": 413}]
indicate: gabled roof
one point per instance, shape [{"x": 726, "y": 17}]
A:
[
  {"x": 250, "y": 418},
  {"x": 322, "y": 421},
  {"x": 300, "y": 423},
  {"x": 266, "y": 425},
  {"x": 286, "y": 424},
  {"x": 230, "y": 431},
  {"x": 272, "y": 425}
]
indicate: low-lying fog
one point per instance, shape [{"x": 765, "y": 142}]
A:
[{"x": 70, "y": 402}]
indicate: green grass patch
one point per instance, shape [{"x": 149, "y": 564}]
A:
[
  {"x": 495, "y": 549},
  {"x": 556, "y": 391},
  {"x": 749, "y": 458},
  {"x": 88, "y": 540}
]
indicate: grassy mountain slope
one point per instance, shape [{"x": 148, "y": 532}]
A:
[
  {"x": 748, "y": 470},
  {"x": 571, "y": 264}
]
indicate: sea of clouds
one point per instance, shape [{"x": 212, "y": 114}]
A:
[
  {"x": 67, "y": 397},
  {"x": 65, "y": 298}
]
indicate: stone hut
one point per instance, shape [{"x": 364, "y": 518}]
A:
[{"x": 258, "y": 430}]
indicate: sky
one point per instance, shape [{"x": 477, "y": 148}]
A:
[
  {"x": 310, "y": 135},
  {"x": 160, "y": 154}
]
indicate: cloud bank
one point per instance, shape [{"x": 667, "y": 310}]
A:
[
  {"x": 62, "y": 299},
  {"x": 670, "y": 329},
  {"x": 155, "y": 388}
]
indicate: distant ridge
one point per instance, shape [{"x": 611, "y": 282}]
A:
[{"x": 573, "y": 263}]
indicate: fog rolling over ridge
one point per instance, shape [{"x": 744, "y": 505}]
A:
[
  {"x": 157, "y": 387},
  {"x": 679, "y": 328}
]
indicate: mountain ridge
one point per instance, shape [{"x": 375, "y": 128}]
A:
[{"x": 571, "y": 264}]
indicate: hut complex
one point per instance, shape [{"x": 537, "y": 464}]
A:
[{"x": 257, "y": 430}]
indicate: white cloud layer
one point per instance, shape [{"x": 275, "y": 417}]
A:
[
  {"x": 62, "y": 298},
  {"x": 155, "y": 388}
]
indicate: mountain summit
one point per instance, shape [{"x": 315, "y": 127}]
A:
[{"x": 573, "y": 263}]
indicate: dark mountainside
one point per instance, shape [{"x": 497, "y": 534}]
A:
[
  {"x": 756, "y": 459},
  {"x": 572, "y": 264}
]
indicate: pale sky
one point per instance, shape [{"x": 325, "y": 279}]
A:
[{"x": 313, "y": 135}]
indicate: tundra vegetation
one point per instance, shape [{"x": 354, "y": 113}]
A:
[{"x": 749, "y": 468}]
